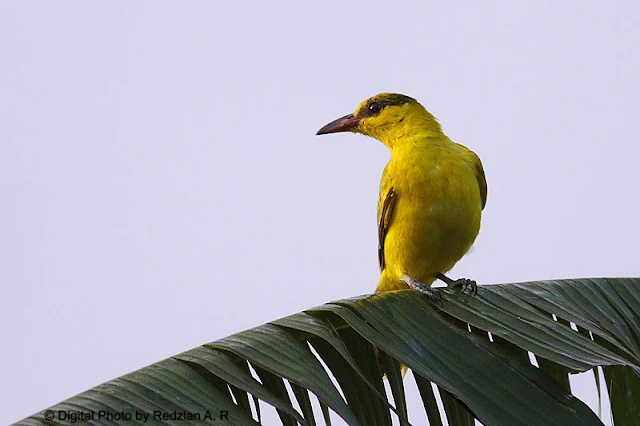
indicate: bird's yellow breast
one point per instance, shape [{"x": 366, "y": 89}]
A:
[{"x": 436, "y": 215}]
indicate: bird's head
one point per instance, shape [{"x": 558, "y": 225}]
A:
[{"x": 386, "y": 117}]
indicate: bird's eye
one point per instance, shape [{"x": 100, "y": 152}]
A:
[{"x": 375, "y": 107}]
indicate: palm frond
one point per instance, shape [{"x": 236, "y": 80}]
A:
[{"x": 475, "y": 349}]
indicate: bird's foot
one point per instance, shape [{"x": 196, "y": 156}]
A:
[
  {"x": 463, "y": 284},
  {"x": 433, "y": 294}
]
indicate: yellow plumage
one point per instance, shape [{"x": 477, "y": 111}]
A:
[{"x": 432, "y": 193}]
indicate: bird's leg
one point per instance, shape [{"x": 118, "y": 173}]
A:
[
  {"x": 414, "y": 284},
  {"x": 463, "y": 283}
]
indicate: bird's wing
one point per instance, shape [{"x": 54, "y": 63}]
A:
[
  {"x": 385, "y": 208},
  {"x": 479, "y": 172},
  {"x": 482, "y": 181}
]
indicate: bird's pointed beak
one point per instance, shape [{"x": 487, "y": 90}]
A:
[{"x": 343, "y": 124}]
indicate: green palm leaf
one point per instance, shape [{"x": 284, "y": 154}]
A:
[{"x": 475, "y": 349}]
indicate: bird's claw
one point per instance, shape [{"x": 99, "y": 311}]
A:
[
  {"x": 431, "y": 293},
  {"x": 463, "y": 284},
  {"x": 466, "y": 284}
]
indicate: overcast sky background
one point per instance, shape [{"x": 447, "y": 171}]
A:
[{"x": 162, "y": 186}]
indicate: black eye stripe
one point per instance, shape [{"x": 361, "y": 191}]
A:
[{"x": 380, "y": 102}]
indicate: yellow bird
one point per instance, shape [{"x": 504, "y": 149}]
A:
[{"x": 432, "y": 194}]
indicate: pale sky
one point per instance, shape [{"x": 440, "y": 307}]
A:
[{"x": 162, "y": 186}]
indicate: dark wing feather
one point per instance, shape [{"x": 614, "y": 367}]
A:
[
  {"x": 482, "y": 181},
  {"x": 384, "y": 214}
]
